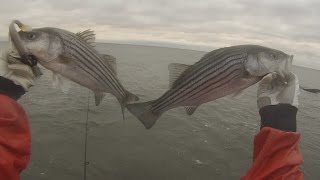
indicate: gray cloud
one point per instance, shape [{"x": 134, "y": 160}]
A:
[{"x": 290, "y": 25}]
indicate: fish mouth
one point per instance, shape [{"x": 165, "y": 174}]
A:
[
  {"x": 19, "y": 51},
  {"x": 13, "y": 58},
  {"x": 283, "y": 73}
]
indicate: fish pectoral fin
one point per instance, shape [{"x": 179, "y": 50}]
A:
[
  {"x": 175, "y": 71},
  {"x": 88, "y": 36},
  {"x": 112, "y": 62},
  {"x": 129, "y": 97},
  {"x": 58, "y": 81},
  {"x": 98, "y": 98},
  {"x": 190, "y": 109}
]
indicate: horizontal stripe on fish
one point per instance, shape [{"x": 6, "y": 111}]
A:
[
  {"x": 109, "y": 76},
  {"x": 88, "y": 51},
  {"x": 230, "y": 66},
  {"x": 215, "y": 57},
  {"x": 94, "y": 60},
  {"x": 195, "y": 72},
  {"x": 89, "y": 64},
  {"x": 223, "y": 77},
  {"x": 100, "y": 76},
  {"x": 209, "y": 88},
  {"x": 83, "y": 64},
  {"x": 195, "y": 80}
]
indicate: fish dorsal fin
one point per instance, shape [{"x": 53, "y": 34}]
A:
[
  {"x": 98, "y": 98},
  {"x": 190, "y": 109},
  {"x": 58, "y": 81},
  {"x": 175, "y": 71},
  {"x": 88, "y": 36},
  {"x": 111, "y": 61}
]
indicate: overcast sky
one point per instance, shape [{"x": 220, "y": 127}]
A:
[{"x": 289, "y": 25}]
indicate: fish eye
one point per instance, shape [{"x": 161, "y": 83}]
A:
[
  {"x": 31, "y": 36},
  {"x": 273, "y": 56}
]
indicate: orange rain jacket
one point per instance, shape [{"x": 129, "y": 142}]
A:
[
  {"x": 276, "y": 156},
  {"x": 14, "y": 139},
  {"x": 276, "y": 152}
]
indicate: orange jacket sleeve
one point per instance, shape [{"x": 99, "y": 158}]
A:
[
  {"x": 276, "y": 156},
  {"x": 14, "y": 139}
]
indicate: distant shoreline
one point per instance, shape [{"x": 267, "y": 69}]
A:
[{"x": 156, "y": 46}]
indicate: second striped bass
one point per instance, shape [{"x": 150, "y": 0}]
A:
[
  {"x": 74, "y": 57},
  {"x": 217, "y": 74}
]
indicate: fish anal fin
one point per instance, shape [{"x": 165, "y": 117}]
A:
[
  {"x": 129, "y": 97},
  {"x": 58, "y": 81},
  {"x": 175, "y": 71},
  {"x": 111, "y": 61},
  {"x": 98, "y": 98},
  {"x": 88, "y": 36},
  {"x": 190, "y": 109}
]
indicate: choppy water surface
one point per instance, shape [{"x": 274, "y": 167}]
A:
[{"x": 214, "y": 143}]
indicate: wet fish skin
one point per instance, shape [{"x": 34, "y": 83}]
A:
[
  {"x": 219, "y": 73},
  {"x": 73, "y": 56}
]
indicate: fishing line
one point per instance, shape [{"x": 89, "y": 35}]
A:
[{"x": 85, "y": 163}]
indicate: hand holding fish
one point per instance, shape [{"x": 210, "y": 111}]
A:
[
  {"x": 16, "y": 71},
  {"x": 273, "y": 91}
]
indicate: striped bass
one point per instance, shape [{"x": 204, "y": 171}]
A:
[
  {"x": 217, "y": 74},
  {"x": 73, "y": 56}
]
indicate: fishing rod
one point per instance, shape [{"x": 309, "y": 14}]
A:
[{"x": 85, "y": 162}]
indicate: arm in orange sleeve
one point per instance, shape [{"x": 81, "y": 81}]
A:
[
  {"x": 276, "y": 147},
  {"x": 14, "y": 132}
]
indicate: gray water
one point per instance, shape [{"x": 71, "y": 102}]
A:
[{"x": 214, "y": 143}]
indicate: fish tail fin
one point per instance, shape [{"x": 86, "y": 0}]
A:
[
  {"x": 129, "y": 97},
  {"x": 144, "y": 113}
]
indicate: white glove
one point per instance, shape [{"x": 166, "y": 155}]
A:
[
  {"x": 272, "y": 90},
  {"x": 16, "y": 71}
]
